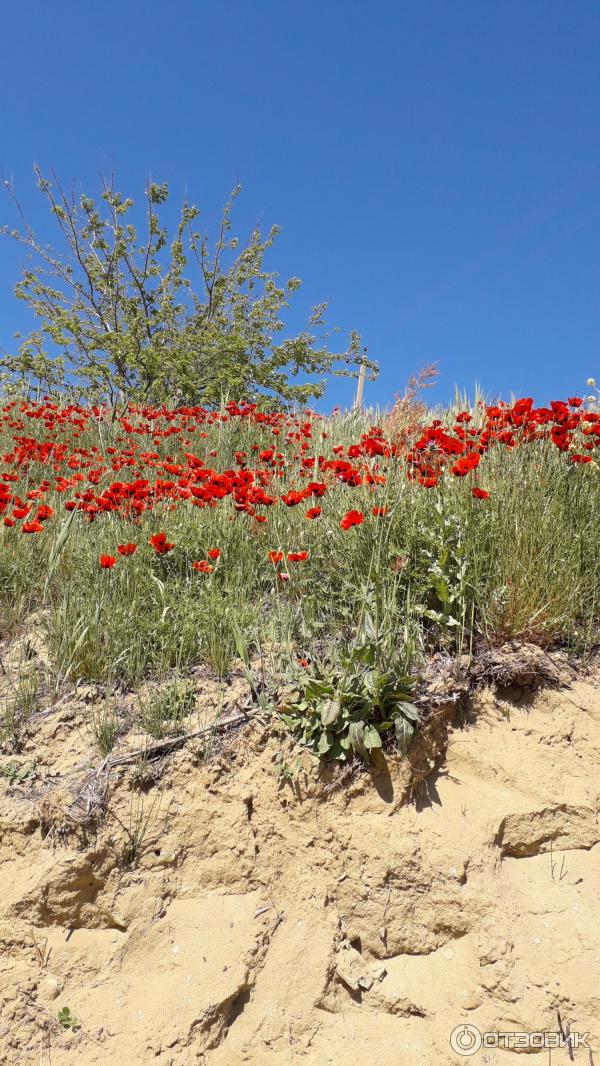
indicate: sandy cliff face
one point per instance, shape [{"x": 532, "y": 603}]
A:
[{"x": 267, "y": 922}]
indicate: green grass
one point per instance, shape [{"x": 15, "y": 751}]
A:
[{"x": 441, "y": 570}]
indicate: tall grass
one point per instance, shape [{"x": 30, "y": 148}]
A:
[{"x": 439, "y": 569}]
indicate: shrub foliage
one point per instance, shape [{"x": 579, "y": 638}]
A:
[{"x": 161, "y": 317}]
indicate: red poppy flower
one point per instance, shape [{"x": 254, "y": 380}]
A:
[
  {"x": 313, "y": 512},
  {"x": 275, "y": 557},
  {"x": 107, "y": 561},
  {"x": 379, "y": 512},
  {"x": 352, "y": 518},
  {"x": 293, "y": 498},
  {"x": 283, "y": 577},
  {"x": 580, "y": 458},
  {"x": 466, "y": 463},
  {"x": 480, "y": 494},
  {"x": 44, "y": 512},
  {"x": 127, "y": 549},
  {"x": 202, "y": 566},
  {"x": 298, "y": 557},
  {"x": 160, "y": 543},
  {"x": 214, "y": 553}
]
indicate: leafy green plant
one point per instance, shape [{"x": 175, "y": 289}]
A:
[
  {"x": 445, "y": 569},
  {"x": 68, "y": 1020},
  {"x": 104, "y": 727},
  {"x": 167, "y": 708},
  {"x": 285, "y": 771},
  {"x": 352, "y": 707},
  {"x": 18, "y": 775},
  {"x": 18, "y": 708},
  {"x": 27, "y": 694},
  {"x": 256, "y": 682}
]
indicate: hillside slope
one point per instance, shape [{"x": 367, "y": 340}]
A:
[{"x": 273, "y": 923}]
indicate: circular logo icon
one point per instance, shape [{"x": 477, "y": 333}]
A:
[{"x": 465, "y": 1039}]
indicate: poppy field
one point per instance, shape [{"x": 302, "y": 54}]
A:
[{"x": 153, "y": 541}]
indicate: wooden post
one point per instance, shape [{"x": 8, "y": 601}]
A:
[{"x": 360, "y": 389}]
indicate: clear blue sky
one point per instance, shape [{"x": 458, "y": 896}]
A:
[{"x": 435, "y": 165}]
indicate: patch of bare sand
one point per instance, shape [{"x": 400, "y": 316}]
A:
[{"x": 267, "y": 923}]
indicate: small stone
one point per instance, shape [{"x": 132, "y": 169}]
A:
[
  {"x": 471, "y": 1002},
  {"x": 350, "y": 968},
  {"x": 50, "y": 987},
  {"x": 378, "y": 971}
]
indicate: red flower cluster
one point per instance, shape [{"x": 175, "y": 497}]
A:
[
  {"x": 127, "y": 549},
  {"x": 511, "y": 426},
  {"x": 160, "y": 543},
  {"x": 158, "y": 459},
  {"x": 352, "y": 518},
  {"x": 202, "y": 567}
]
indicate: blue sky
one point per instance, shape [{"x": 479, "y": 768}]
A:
[{"x": 435, "y": 165}]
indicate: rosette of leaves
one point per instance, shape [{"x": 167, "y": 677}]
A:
[
  {"x": 351, "y": 708},
  {"x": 445, "y": 570}
]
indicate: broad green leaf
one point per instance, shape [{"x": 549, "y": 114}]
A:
[
  {"x": 404, "y": 734},
  {"x": 408, "y": 710},
  {"x": 290, "y": 721},
  {"x": 324, "y": 744},
  {"x": 371, "y": 738},
  {"x": 330, "y": 710},
  {"x": 355, "y": 736},
  {"x": 313, "y": 688}
]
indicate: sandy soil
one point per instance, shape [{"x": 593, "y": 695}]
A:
[{"x": 276, "y": 922}]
